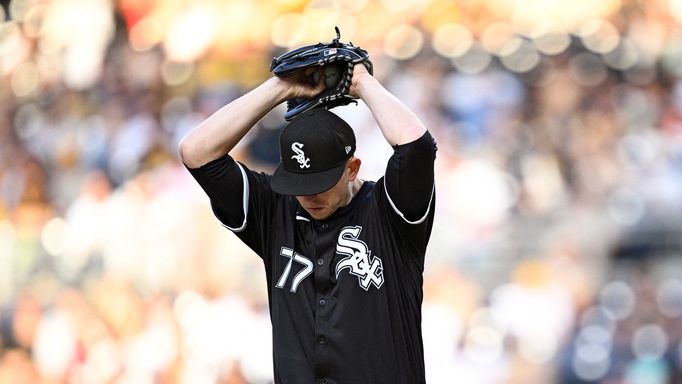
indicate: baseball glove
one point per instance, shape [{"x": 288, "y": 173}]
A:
[{"x": 337, "y": 61}]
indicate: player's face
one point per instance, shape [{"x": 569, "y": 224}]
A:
[{"x": 324, "y": 204}]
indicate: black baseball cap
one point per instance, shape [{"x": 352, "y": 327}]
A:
[{"x": 314, "y": 148}]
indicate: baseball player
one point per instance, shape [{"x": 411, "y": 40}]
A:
[{"x": 343, "y": 256}]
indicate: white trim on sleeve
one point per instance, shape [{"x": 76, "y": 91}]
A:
[
  {"x": 428, "y": 207},
  {"x": 245, "y": 202}
]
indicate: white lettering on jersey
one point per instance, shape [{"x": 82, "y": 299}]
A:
[
  {"x": 360, "y": 262},
  {"x": 303, "y": 161}
]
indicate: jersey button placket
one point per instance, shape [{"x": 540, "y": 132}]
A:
[{"x": 324, "y": 247}]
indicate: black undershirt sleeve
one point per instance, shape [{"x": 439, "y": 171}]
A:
[
  {"x": 409, "y": 177},
  {"x": 223, "y": 182}
]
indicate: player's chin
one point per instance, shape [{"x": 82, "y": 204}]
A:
[{"x": 318, "y": 213}]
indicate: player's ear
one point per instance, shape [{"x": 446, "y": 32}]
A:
[{"x": 354, "y": 166}]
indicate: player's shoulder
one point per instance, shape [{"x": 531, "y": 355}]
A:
[
  {"x": 367, "y": 190},
  {"x": 363, "y": 200}
]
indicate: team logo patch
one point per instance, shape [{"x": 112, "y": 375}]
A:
[
  {"x": 359, "y": 260},
  {"x": 303, "y": 162}
]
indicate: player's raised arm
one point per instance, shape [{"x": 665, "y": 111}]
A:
[
  {"x": 409, "y": 178},
  {"x": 398, "y": 124},
  {"x": 217, "y": 135}
]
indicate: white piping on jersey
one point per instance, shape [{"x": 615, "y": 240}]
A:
[
  {"x": 245, "y": 202},
  {"x": 302, "y": 218},
  {"x": 428, "y": 207}
]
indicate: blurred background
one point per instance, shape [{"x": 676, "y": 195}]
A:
[{"x": 555, "y": 254}]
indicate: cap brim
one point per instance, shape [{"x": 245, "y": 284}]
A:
[{"x": 304, "y": 184}]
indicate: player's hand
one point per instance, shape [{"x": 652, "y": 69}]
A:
[
  {"x": 360, "y": 74},
  {"x": 305, "y": 84}
]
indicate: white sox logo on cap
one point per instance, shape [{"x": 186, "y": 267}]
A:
[
  {"x": 303, "y": 161},
  {"x": 312, "y": 154}
]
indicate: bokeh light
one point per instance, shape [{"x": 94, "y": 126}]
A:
[
  {"x": 591, "y": 362},
  {"x": 649, "y": 342},
  {"x": 626, "y": 207},
  {"x": 13, "y": 47},
  {"x": 473, "y": 61},
  {"x": 552, "y": 43},
  {"x": 530, "y": 20},
  {"x": 599, "y": 36},
  {"x": 190, "y": 35},
  {"x": 676, "y": 9},
  {"x": 25, "y": 79},
  {"x": 175, "y": 73},
  {"x": 624, "y": 56},
  {"x": 9, "y": 36},
  {"x": 669, "y": 298},
  {"x": 440, "y": 12},
  {"x": 595, "y": 334},
  {"x": 145, "y": 34},
  {"x": 55, "y": 236},
  {"x": 618, "y": 298},
  {"x": 521, "y": 58},
  {"x": 496, "y": 36},
  {"x": 637, "y": 150},
  {"x": 403, "y": 42},
  {"x": 598, "y": 316},
  {"x": 452, "y": 40}
]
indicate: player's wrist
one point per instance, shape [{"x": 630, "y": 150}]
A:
[
  {"x": 363, "y": 84},
  {"x": 280, "y": 90}
]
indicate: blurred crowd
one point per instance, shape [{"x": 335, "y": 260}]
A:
[{"x": 555, "y": 255}]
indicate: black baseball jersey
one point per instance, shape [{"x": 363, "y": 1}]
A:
[{"x": 345, "y": 293}]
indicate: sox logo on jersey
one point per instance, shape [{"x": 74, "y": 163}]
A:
[
  {"x": 303, "y": 161},
  {"x": 359, "y": 260}
]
